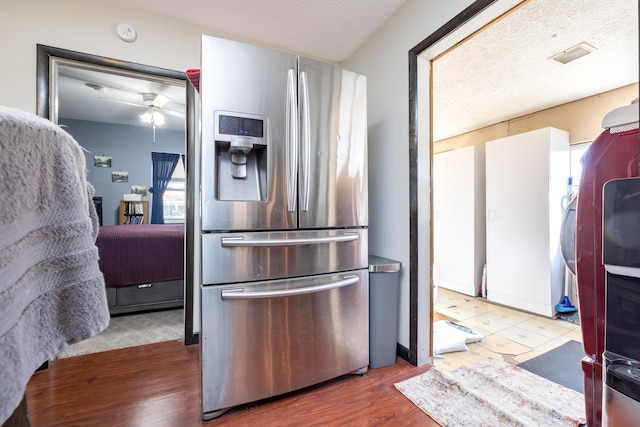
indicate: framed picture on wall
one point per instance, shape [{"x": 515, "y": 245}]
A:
[
  {"x": 102, "y": 161},
  {"x": 139, "y": 189},
  {"x": 119, "y": 176}
]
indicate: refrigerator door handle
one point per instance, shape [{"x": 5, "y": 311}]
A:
[
  {"x": 305, "y": 145},
  {"x": 239, "y": 242},
  {"x": 240, "y": 293},
  {"x": 291, "y": 142}
]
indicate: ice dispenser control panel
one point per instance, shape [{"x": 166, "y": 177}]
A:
[
  {"x": 240, "y": 126},
  {"x": 241, "y": 156}
]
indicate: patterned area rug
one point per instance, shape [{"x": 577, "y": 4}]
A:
[
  {"x": 132, "y": 330},
  {"x": 493, "y": 393}
]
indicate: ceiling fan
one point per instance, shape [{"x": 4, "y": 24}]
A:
[{"x": 154, "y": 104}]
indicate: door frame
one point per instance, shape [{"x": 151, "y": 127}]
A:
[
  {"x": 420, "y": 174},
  {"x": 46, "y": 58}
]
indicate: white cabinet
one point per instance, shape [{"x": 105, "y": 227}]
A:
[
  {"x": 526, "y": 179},
  {"x": 459, "y": 218}
]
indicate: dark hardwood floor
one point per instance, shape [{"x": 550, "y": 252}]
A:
[{"x": 158, "y": 385}]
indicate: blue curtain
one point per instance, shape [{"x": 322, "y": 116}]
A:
[{"x": 163, "y": 166}]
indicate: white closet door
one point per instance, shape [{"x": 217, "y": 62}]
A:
[
  {"x": 526, "y": 179},
  {"x": 458, "y": 220}
]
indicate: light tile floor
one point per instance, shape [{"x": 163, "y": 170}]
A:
[{"x": 510, "y": 335}]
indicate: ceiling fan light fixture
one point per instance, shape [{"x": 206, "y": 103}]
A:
[
  {"x": 153, "y": 118},
  {"x": 158, "y": 118},
  {"x": 573, "y": 53}
]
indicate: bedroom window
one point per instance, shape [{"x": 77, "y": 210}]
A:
[{"x": 175, "y": 195}]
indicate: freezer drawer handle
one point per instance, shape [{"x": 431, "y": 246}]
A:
[
  {"x": 239, "y": 242},
  {"x": 240, "y": 293}
]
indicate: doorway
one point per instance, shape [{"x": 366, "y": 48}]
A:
[
  {"x": 56, "y": 68},
  {"x": 428, "y": 53}
]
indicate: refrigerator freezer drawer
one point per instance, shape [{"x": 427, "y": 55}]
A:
[
  {"x": 267, "y": 338},
  {"x": 247, "y": 257},
  {"x": 619, "y": 410}
]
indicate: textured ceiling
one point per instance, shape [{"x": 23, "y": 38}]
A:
[
  {"x": 325, "y": 29},
  {"x": 504, "y": 72}
]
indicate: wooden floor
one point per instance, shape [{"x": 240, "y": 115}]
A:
[{"x": 159, "y": 385}]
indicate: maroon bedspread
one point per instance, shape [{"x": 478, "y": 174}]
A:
[{"x": 137, "y": 254}]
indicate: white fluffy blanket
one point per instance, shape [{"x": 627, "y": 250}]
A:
[{"x": 52, "y": 292}]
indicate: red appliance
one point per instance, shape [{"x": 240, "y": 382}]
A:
[
  {"x": 193, "y": 74},
  {"x": 614, "y": 154}
]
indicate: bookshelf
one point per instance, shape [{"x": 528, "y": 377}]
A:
[{"x": 134, "y": 212}]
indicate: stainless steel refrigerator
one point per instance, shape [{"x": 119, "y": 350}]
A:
[{"x": 284, "y": 294}]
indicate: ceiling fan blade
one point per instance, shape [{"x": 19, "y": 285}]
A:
[
  {"x": 160, "y": 101},
  {"x": 173, "y": 113},
  {"x": 122, "y": 102}
]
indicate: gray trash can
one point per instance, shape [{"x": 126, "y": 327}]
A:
[{"x": 384, "y": 308}]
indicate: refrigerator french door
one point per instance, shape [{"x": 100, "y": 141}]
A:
[{"x": 284, "y": 223}]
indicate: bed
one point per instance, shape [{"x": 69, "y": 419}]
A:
[{"x": 143, "y": 266}]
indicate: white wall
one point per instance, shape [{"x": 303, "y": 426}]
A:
[
  {"x": 89, "y": 27},
  {"x": 384, "y": 60}
]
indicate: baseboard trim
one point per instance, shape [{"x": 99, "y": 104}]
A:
[
  {"x": 403, "y": 352},
  {"x": 192, "y": 339}
]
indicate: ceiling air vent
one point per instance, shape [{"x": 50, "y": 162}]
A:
[{"x": 573, "y": 53}]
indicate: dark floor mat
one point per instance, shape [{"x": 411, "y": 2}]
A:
[{"x": 562, "y": 365}]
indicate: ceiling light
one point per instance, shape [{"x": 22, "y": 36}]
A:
[
  {"x": 153, "y": 117},
  {"x": 573, "y": 53}
]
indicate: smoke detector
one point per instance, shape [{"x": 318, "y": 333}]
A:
[
  {"x": 126, "y": 33},
  {"x": 573, "y": 53}
]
